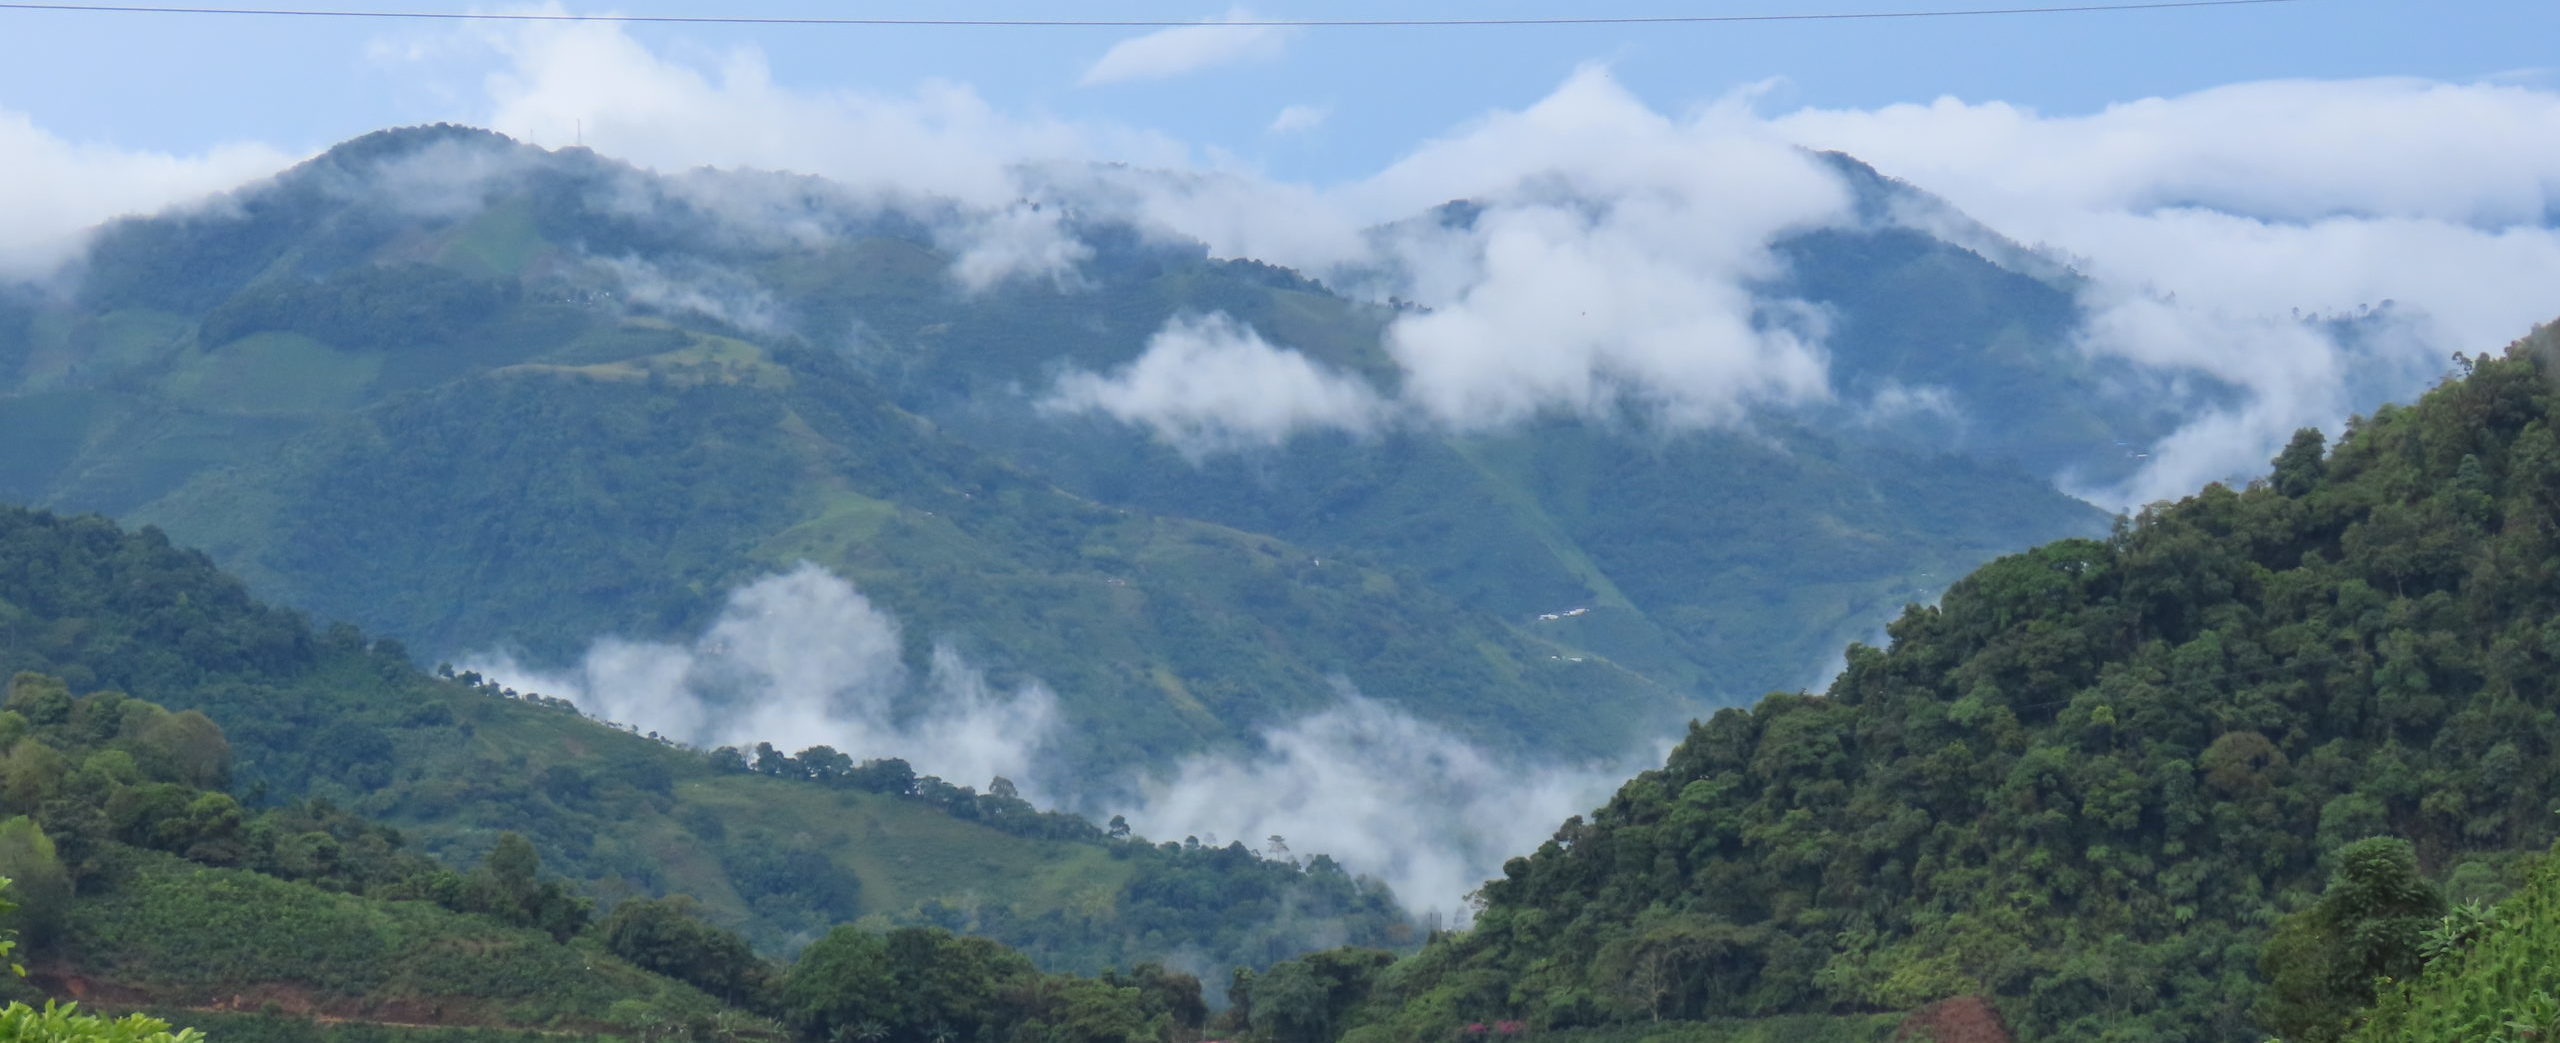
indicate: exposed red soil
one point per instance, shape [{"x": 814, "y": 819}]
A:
[
  {"x": 1964, "y": 1019},
  {"x": 285, "y": 998}
]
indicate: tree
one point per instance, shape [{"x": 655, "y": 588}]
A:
[
  {"x": 43, "y": 885},
  {"x": 665, "y": 936},
  {"x": 915, "y": 983},
  {"x": 2368, "y": 927},
  {"x": 30, "y": 774},
  {"x": 186, "y": 748},
  {"x": 63, "y": 1023},
  {"x": 1171, "y": 994},
  {"x": 825, "y": 764},
  {"x": 509, "y": 886},
  {"x": 2299, "y": 468},
  {"x": 841, "y": 984}
]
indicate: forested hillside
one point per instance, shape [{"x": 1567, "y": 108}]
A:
[
  {"x": 139, "y": 882},
  {"x": 557, "y": 398},
  {"x": 781, "y": 847},
  {"x": 2090, "y": 781},
  {"x": 2491, "y": 975}
]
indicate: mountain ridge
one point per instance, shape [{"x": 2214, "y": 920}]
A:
[{"x": 355, "y": 323}]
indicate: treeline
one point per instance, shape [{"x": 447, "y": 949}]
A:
[
  {"x": 2105, "y": 783},
  {"x": 85, "y": 778},
  {"x": 328, "y": 715},
  {"x": 80, "y": 776}
]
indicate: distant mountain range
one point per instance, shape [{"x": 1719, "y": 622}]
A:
[{"x": 476, "y": 395}]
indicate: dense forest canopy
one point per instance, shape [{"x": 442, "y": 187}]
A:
[{"x": 2090, "y": 781}]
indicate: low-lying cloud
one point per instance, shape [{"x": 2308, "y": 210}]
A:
[
  {"x": 53, "y": 191},
  {"x": 801, "y": 659},
  {"x": 1209, "y": 383},
  {"x": 1383, "y": 793},
  {"x": 710, "y": 291},
  {"x": 2225, "y": 231}
]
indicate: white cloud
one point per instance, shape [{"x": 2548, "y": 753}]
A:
[
  {"x": 54, "y": 191},
  {"x": 1614, "y": 262},
  {"x": 1209, "y": 384},
  {"x": 1167, "y": 53},
  {"x": 2206, "y": 222},
  {"x": 936, "y": 146},
  {"x": 1895, "y": 402},
  {"x": 702, "y": 289},
  {"x": 1299, "y": 119},
  {"x": 942, "y": 140},
  {"x": 1018, "y": 241},
  {"x": 1611, "y": 266},
  {"x": 1384, "y": 793},
  {"x": 802, "y": 659}
]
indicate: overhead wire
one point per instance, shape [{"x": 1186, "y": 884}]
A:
[{"x": 1134, "y": 23}]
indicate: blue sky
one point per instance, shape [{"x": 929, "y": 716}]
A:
[{"x": 181, "y": 83}]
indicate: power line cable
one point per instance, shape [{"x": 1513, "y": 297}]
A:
[{"x": 1135, "y": 23}]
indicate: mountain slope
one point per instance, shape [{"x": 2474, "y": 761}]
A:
[
  {"x": 2503, "y": 987},
  {"x": 2086, "y": 782},
  {"x": 782, "y": 851},
  {"x": 552, "y": 398},
  {"x": 145, "y": 884}
]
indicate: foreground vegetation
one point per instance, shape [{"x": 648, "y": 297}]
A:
[
  {"x": 2489, "y": 976},
  {"x": 2208, "y": 778},
  {"x": 782, "y": 846},
  {"x": 150, "y": 886},
  {"x": 63, "y": 1023}
]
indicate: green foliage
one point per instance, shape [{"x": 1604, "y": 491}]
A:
[
  {"x": 2094, "y": 781},
  {"x": 2371, "y": 925},
  {"x": 1306, "y": 1000},
  {"x": 663, "y": 935},
  {"x": 352, "y": 740},
  {"x": 282, "y": 1027},
  {"x": 63, "y": 1023},
  {"x": 42, "y": 887},
  {"x": 1799, "y": 1028},
  {"x": 187, "y": 935},
  {"x": 2501, "y": 985},
  {"x": 921, "y": 985},
  {"x": 510, "y": 887}
]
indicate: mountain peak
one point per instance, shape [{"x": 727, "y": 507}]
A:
[{"x": 399, "y": 141}]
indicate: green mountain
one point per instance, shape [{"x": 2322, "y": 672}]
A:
[
  {"x": 781, "y": 849},
  {"x": 140, "y": 883},
  {"x": 555, "y": 398},
  {"x": 2101, "y": 784}
]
